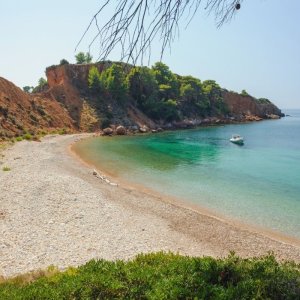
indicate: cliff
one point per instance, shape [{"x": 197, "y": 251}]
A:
[
  {"x": 69, "y": 85},
  {"x": 69, "y": 103},
  {"x": 22, "y": 113},
  {"x": 243, "y": 107}
]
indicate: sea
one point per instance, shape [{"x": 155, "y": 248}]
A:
[{"x": 257, "y": 183}]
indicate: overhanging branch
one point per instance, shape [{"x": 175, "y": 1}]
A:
[{"x": 135, "y": 24}]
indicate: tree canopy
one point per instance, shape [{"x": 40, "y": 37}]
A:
[
  {"x": 83, "y": 58},
  {"x": 157, "y": 91}
]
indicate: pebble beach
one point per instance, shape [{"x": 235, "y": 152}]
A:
[{"x": 57, "y": 210}]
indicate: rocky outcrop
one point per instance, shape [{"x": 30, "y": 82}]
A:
[
  {"x": 68, "y": 84},
  {"x": 22, "y": 113},
  {"x": 248, "y": 108},
  {"x": 69, "y": 103}
]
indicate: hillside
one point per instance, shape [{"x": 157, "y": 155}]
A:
[
  {"x": 164, "y": 99},
  {"x": 22, "y": 113},
  {"x": 90, "y": 97}
]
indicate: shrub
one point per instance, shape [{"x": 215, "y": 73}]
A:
[
  {"x": 244, "y": 93},
  {"x": 94, "y": 80},
  {"x": 162, "y": 276},
  {"x": 63, "y": 62},
  {"x": 263, "y": 101},
  {"x": 83, "y": 58},
  {"x": 27, "y": 136},
  {"x": 62, "y": 131},
  {"x": 6, "y": 169},
  {"x": 42, "y": 84}
]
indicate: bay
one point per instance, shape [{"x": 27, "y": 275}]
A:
[{"x": 258, "y": 183}]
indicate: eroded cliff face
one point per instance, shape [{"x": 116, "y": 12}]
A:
[
  {"x": 242, "y": 107},
  {"x": 68, "y": 85},
  {"x": 21, "y": 112},
  {"x": 65, "y": 83},
  {"x": 69, "y": 103}
]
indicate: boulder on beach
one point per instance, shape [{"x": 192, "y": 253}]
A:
[
  {"x": 121, "y": 130},
  {"x": 108, "y": 131},
  {"x": 144, "y": 129}
]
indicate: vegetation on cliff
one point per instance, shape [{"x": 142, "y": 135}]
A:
[
  {"x": 138, "y": 96},
  {"x": 83, "y": 58},
  {"x": 88, "y": 96},
  {"x": 158, "y": 92},
  {"x": 162, "y": 276}
]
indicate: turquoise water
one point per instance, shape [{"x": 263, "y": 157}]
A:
[{"x": 258, "y": 183}]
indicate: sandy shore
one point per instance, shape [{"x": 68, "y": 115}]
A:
[{"x": 53, "y": 211}]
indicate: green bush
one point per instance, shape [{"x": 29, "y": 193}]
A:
[
  {"x": 6, "y": 169},
  {"x": 27, "y": 136},
  {"x": 94, "y": 80},
  {"x": 63, "y": 62},
  {"x": 244, "y": 93},
  {"x": 263, "y": 101},
  {"x": 62, "y": 131},
  {"x": 162, "y": 276}
]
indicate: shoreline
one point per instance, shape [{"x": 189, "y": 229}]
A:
[
  {"x": 185, "y": 204},
  {"x": 53, "y": 211}
]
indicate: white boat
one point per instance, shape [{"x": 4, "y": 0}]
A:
[{"x": 237, "y": 139}]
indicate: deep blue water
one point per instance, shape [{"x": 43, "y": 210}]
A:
[{"x": 258, "y": 183}]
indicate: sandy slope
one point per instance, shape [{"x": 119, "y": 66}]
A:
[{"x": 54, "y": 211}]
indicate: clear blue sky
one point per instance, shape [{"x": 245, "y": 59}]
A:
[{"x": 259, "y": 50}]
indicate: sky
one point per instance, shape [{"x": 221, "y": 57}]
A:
[{"x": 259, "y": 50}]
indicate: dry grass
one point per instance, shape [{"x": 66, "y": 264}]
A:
[{"x": 30, "y": 276}]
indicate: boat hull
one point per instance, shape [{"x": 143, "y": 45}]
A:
[{"x": 238, "y": 142}]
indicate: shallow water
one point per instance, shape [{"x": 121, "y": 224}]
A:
[{"x": 258, "y": 183}]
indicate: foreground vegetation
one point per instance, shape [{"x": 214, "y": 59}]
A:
[{"x": 162, "y": 276}]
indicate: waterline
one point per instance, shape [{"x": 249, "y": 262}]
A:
[{"x": 257, "y": 183}]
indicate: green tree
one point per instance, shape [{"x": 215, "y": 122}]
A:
[
  {"x": 63, "y": 62},
  {"x": 88, "y": 58},
  {"x": 83, "y": 58},
  {"x": 42, "y": 82},
  {"x": 244, "y": 93},
  {"x": 94, "y": 79},
  {"x": 80, "y": 58},
  {"x": 192, "y": 92},
  {"x": 41, "y": 85},
  {"x": 190, "y": 88},
  {"x": 114, "y": 81},
  {"x": 170, "y": 111},
  {"x": 28, "y": 89},
  {"x": 214, "y": 92},
  {"x": 142, "y": 84},
  {"x": 167, "y": 81}
]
